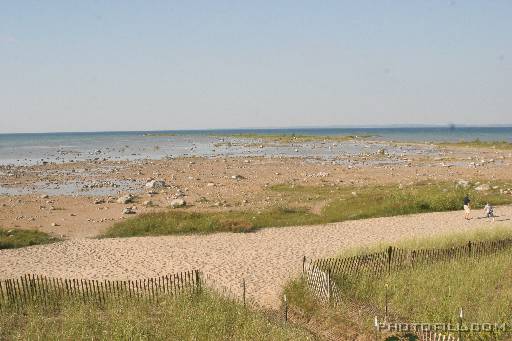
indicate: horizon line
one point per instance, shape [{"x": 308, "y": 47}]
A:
[{"x": 365, "y": 126}]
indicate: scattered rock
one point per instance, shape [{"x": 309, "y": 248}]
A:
[
  {"x": 176, "y": 203},
  {"x": 483, "y": 187},
  {"x": 148, "y": 203},
  {"x": 128, "y": 210},
  {"x": 210, "y": 184},
  {"x": 55, "y": 224},
  {"x": 99, "y": 201},
  {"x": 237, "y": 177},
  {"x": 44, "y": 196},
  {"x": 179, "y": 193},
  {"x": 154, "y": 184},
  {"x": 463, "y": 183},
  {"x": 125, "y": 199},
  {"x": 322, "y": 174}
]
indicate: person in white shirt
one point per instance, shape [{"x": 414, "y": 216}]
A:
[{"x": 489, "y": 211}]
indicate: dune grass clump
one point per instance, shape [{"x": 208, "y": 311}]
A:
[
  {"x": 203, "y": 316},
  {"x": 430, "y": 293},
  {"x": 183, "y": 222},
  {"x": 477, "y": 143},
  {"x": 339, "y": 204},
  {"x": 15, "y": 238},
  {"x": 435, "y": 292},
  {"x": 351, "y": 203}
]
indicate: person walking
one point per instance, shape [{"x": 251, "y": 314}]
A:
[
  {"x": 467, "y": 207},
  {"x": 489, "y": 211}
]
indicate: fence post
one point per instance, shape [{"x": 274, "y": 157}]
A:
[
  {"x": 243, "y": 288},
  {"x": 386, "y": 303},
  {"x": 376, "y": 325},
  {"x": 329, "y": 285},
  {"x": 390, "y": 252},
  {"x": 198, "y": 281},
  {"x": 285, "y": 309},
  {"x": 303, "y": 264},
  {"x": 461, "y": 314},
  {"x": 469, "y": 248}
]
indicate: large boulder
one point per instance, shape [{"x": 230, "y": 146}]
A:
[
  {"x": 125, "y": 199},
  {"x": 483, "y": 187},
  {"x": 128, "y": 210},
  {"x": 154, "y": 184},
  {"x": 176, "y": 203},
  {"x": 148, "y": 203}
]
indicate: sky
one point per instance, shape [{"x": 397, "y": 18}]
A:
[{"x": 165, "y": 65}]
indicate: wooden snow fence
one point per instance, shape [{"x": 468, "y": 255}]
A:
[
  {"x": 49, "y": 291},
  {"x": 433, "y": 336},
  {"x": 394, "y": 259}
]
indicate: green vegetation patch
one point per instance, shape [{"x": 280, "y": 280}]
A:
[
  {"x": 15, "y": 238},
  {"x": 205, "y": 316},
  {"x": 293, "y": 138},
  {"x": 435, "y": 292},
  {"x": 342, "y": 203},
  {"x": 183, "y": 222},
  {"x": 477, "y": 143},
  {"x": 384, "y": 201},
  {"x": 497, "y": 232},
  {"x": 430, "y": 293}
]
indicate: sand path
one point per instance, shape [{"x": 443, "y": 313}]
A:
[{"x": 266, "y": 259}]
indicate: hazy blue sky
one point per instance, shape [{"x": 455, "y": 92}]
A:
[{"x": 135, "y": 65}]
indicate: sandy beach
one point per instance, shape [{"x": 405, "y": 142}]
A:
[
  {"x": 266, "y": 259},
  {"x": 79, "y": 200}
]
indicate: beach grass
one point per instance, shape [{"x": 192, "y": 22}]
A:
[
  {"x": 339, "y": 204},
  {"x": 499, "y": 230},
  {"x": 202, "y": 316},
  {"x": 15, "y": 238},
  {"x": 477, "y": 143},
  {"x": 184, "y": 222},
  {"x": 432, "y": 293}
]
